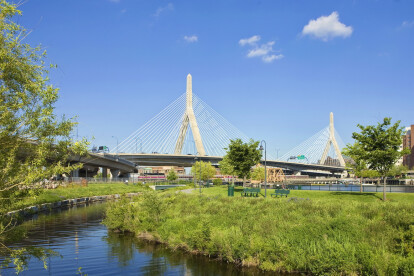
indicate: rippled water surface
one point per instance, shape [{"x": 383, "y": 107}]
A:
[{"x": 78, "y": 235}]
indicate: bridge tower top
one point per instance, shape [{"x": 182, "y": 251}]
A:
[
  {"x": 332, "y": 142},
  {"x": 189, "y": 119},
  {"x": 189, "y": 92}
]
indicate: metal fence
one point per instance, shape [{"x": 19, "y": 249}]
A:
[
  {"x": 354, "y": 188},
  {"x": 130, "y": 180}
]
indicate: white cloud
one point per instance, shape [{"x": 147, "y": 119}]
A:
[
  {"x": 263, "y": 51},
  {"x": 327, "y": 27},
  {"x": 271, "y": 58},
  {"x": 168, "y": 7},
  {"x": 407, "y": 24},
  {"x": 251, "y": 40},
  {"x": 191, "y": 39}
]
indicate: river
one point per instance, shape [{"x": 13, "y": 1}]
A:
[{"x": 83, "y": 242}]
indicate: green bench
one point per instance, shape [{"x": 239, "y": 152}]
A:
[
  {"x": 280, "y": 193},
  {"x": 250, "y": 192}
]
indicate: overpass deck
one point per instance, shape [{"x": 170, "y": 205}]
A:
[{"x": 146, "y": 159}]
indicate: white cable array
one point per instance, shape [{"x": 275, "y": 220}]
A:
[
  {"x": 313, "y": 149},
  {"x": 152, "y": 136},
  {"x": 160, "y": 134},
  {"x": 215, "y": 130}
]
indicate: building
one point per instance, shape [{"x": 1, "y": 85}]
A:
[
  {"x": 161, "y": 170},
  {"x": 408, "y": 142}
]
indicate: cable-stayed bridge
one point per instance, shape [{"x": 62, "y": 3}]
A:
[{"x": 188, "y": 127}]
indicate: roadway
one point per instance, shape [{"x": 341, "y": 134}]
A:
[
  {"x": 93, "y": 161},
  {"x": 146, "y": 159}
]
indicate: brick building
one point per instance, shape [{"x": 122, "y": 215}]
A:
[{"x": 408, "y": 142}]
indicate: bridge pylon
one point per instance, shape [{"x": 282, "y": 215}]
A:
[
  {"x": 332, "y": 142},
  {"x": 189, "y": 118}
]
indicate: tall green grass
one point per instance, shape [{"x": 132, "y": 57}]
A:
[
  {"x": 320, "y": 236},
  {"x": 20, "y": 200}
]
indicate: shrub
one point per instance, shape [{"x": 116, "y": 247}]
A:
[{"x": 217, "y": 181}]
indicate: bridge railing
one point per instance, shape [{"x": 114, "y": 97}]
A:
[{"x": 353, "y": 188}]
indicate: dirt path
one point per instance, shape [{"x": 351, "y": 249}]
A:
[{"x": 187, "y": 191}]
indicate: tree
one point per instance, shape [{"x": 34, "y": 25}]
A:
[
  {"x": 203, "y": 169},
  {"x": 396, "y": 171},
  {"x": 172, "y": 175},
  {"x": 258, "y": 173},
  {"x": 226, "y": 168},
  {"x": 241, "y": 157},
  {"x": 34, "y": 143},
  {"x": 378, "y": 147},
  {"x": 356, "y": 164}
]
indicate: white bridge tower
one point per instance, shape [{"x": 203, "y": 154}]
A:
[
  {"x": 189, "y": 117},
  {"x": 332, "y": 141}
]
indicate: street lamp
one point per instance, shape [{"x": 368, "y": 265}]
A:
[
  {"x": 195, "y": 170},
  {"x": 261, "y": 148},
  {"x": 201, "y": 173},
  {"x": 116, "y": 144}
]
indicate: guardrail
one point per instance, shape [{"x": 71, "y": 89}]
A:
[{"x": 354, "y": 188}]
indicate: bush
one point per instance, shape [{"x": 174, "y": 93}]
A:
[{"x": 217, "y": 181}]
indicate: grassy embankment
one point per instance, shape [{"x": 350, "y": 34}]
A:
[
  {"x": 40, "y": 196},
  {"x": 331, "y": 233}
]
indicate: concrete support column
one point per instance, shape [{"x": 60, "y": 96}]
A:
[
  {"x": 104, "y": 172},
  {"x": 115, "y": 173},
  {"x": 75, "y": 173}
]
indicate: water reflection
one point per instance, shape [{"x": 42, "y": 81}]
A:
[{"x": 78, "y": 235}]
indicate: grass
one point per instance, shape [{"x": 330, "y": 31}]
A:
[
  {"x": 317, "y": 195},
  {"x": 331, "y": 233},
  {"x": 36, "y": 197}
]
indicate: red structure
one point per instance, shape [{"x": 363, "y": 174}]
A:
[{"x": 408, "y": 142}]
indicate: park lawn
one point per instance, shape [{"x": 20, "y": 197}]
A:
[
  {"x": 41, "y": 196},
  {"x": 315, "y": 195}
]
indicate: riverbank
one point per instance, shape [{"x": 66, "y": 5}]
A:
[
  {"x": 42, "y": 200},
  {"x": 81, "y": 240},
  {"x": 316, "y": 232},
  {"x": 42, "y": 196}
]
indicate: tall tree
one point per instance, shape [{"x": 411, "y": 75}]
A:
[
  {"x": 203, "y": 170},
  {"x": 378, "y": 147},
  {"x": 258, "y": 173},
  {"x": 34, "y": 143},
  {"x": 172, "y": 175},
  {"x": 226, "y": 168},
  {"x": 356, "y": 164},
  {"x": 242, "y": 157}
]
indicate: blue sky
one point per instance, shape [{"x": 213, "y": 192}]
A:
[{"x": 274, "y": 69}]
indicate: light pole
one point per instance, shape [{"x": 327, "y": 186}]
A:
[
  {"x": 136, "y": 144},
  {"x": 261, "y": 148},
  {"x": 201, "y": 170},
  {"x": 116, "y": 144},
  {"x": 277, "y": 154},
  {"x": 195, "y": 170}
]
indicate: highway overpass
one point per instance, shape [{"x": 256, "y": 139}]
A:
[{"x": 146, "y": 159}]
